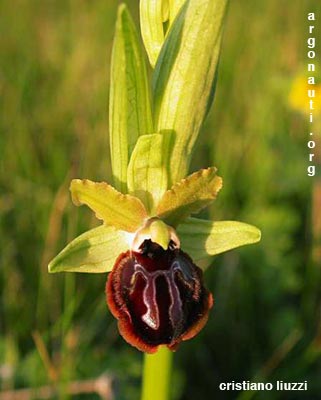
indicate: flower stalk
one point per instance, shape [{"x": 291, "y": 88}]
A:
[{"x": 156, "y": 375}]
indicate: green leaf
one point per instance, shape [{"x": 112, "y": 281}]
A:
[
  {"x": 152, "y": 15},
  {"x": 174, "y": 8},
  {"x": 165, "y": 10},
  {"x": 129, "y": 103},
  {"x": 123, "y": 212},
  {"x": 201, "y": 239},
  {"x": 184, "y": 76},
  {"x": 189, "y": 196},
  {"x": 93, "y": 251},
  {"x": 148, "y": 168}
]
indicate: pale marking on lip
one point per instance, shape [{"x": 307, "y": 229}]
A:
[{"x": 151, "y": 316}]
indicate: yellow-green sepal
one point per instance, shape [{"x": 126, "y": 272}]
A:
[
  {"x": 148, "y": 168},
  {"x": 184, "y": 76},
  {"x": 123, "y": 212},
  {"x": 189, "y": 196},
  {"x": 129, "y": 104},
  {"x": 94, "y": 251},
  {"x": 201, "y": 238}
]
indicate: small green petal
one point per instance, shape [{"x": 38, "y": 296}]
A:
[
  {"x": 184, "y": 76},
  {"x": 189, "y": 196},
  {"x": 94, "y": 251},
  {"x": 151, "y": 22},
  {"x": 121, "y": 211},
  {"x": 129, "y": 102},
  {"x": 148, "y": 168},
  {"x": 201, "y": 239}
]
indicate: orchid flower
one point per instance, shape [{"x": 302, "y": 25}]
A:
[{"x": 150, "y": 241}]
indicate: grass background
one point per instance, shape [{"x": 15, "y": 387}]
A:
[{"x": 54, "y": 78}]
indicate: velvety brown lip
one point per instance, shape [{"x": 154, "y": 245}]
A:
[{"x": 158, "y": 297}]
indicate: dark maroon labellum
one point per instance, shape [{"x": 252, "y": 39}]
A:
[{"x": 158, "y": 297}]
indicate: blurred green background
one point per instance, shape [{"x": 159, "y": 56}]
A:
[{"x": 265, "y": 325}]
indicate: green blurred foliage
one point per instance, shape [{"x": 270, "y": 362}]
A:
[{"x": 54, "y": 77}]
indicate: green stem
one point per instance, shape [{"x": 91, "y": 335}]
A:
[{"x": 156, "y": 375}]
